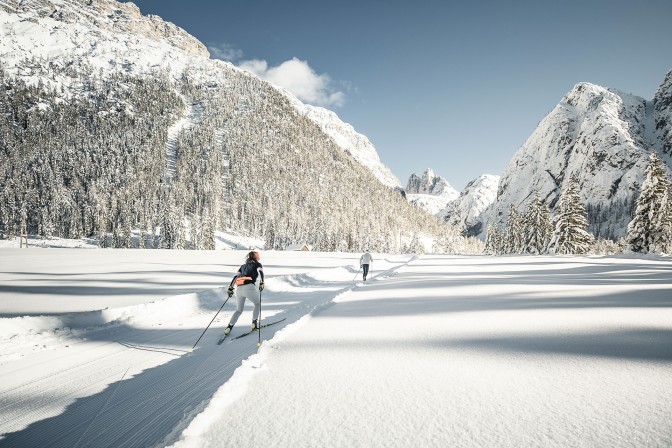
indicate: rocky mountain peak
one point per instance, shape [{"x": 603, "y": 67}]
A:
[
  {"x": 101, "y": 16},
  {"x": 429, "y": 183}
]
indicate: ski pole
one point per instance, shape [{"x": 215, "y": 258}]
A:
[
  {"x": 206, "y": 328},
  {"x": 360, "y": 268},
  {"x": 259, "y": 320}
]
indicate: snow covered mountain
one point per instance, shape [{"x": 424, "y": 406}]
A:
[
  {"x": 465, "y": 211},
  {"x": 112, "y": 36},
  {"x": 602, "y": 136},
  {"x": 430, "y": 192},
  {"x": 139, "y": 129}
]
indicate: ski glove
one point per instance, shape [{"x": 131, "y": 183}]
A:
[
  {"x": 230, "y": 291},
  {"x": 261, "y": 286}
]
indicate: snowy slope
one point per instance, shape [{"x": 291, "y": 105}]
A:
[
  {"x": 433, "y": 351},
  {"x": 601, "y": 135},
  {"x": 113, "y": 36},
  {"x": 352, "y": 142},
  {"x": 465, "y": 211}
]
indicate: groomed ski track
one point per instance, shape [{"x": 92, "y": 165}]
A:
[{"x": 123, "y": 386}]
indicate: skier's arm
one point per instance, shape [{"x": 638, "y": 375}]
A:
[{"x": 238, "y": 274}]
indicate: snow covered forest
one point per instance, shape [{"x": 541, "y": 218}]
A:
[{"x": 105, "y": 158}]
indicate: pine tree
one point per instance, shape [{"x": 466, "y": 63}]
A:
[
  {"x": 646, "y": 231},
  {"x": 538, "y": 227},
  {"x": 492, "y": 240},
  {"x": 514, "y": 233},
  {"x": 663, "y": 225},
  {"x": 208, "y": 232},
  {"x": 570, "y": 235}
]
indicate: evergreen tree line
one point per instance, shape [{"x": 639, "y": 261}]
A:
[
  {"x": 536, "y": 232},
  {"x": 92, "y": 159},
  {"x": 533, "y": 232}
]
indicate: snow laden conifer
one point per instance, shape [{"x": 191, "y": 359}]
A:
[
  {"x": 569, "y": 234},
  {"x": 665, "y": 243},
  {"x": 513, "y": 234},
  {"x": 493, "y": 240},
  {"x": 649, "y": 230},
  {"x": 538, "y": 227}
]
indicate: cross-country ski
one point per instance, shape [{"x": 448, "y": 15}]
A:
[{"x": 257, "y": 329}]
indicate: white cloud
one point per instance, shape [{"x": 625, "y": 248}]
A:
[
  {"x": 300, "y": 79},
  {"x": 256, "y": 66},
  {"x": 226, "y": 52}
]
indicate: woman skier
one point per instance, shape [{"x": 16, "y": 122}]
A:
[{"x": 246, "y": 279}]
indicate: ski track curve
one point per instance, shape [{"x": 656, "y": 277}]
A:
[{"x": 129, "y": 387}]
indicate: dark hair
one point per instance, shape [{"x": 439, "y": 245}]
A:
[{"x": 251, "y": 257}]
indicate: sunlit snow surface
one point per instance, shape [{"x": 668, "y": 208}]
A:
[{"x": 430, "y": 351}]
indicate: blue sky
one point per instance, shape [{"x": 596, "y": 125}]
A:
[{"x": 455, "y": 86}]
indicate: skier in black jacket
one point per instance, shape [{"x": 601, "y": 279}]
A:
[{"x": 246, "y": 279}]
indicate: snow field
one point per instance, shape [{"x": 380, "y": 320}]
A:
[
  {"x": 468, "y": 351},
  {"x": 441, "y": 351},
  {"x": 122, "y": 376}
]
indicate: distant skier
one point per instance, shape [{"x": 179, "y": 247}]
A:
[
  {"x": 246, "y": 279},
  {"x": 364, "y": 261}
]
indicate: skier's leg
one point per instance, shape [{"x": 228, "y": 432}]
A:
[
  {"x": 240, "y": 304},
  {"x": 253, "y": 296},
  {"x": 366, "y": 270}
]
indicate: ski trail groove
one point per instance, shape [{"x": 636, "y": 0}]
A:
[{"x": 101, "y": 409}]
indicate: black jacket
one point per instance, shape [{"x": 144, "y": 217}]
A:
[{"x": 250, "y": 269}]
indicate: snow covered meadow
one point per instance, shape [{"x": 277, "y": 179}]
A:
[{"x": 431, "y": 350}]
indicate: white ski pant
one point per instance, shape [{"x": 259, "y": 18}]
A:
[{"x": 243, "y": 292}]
